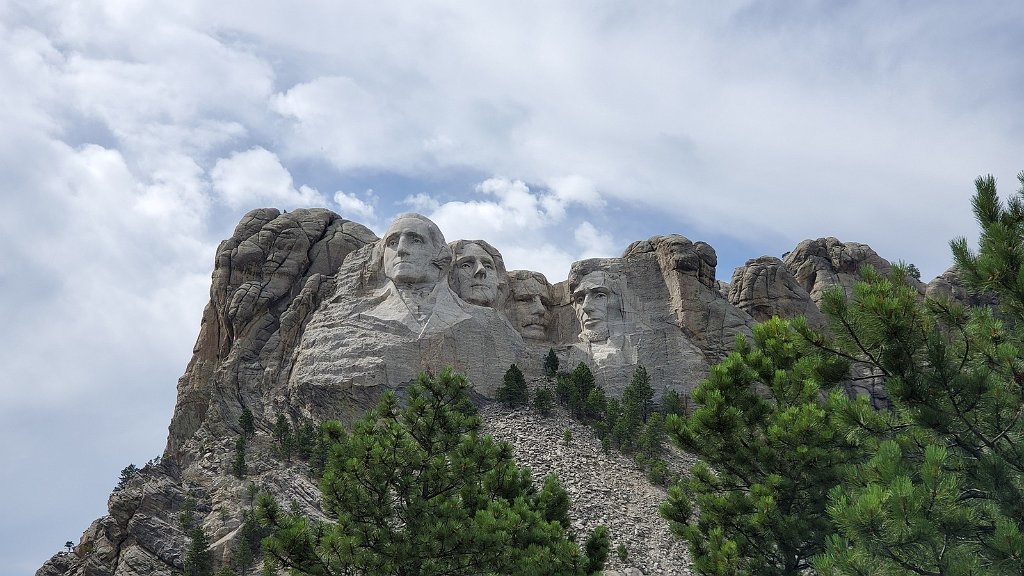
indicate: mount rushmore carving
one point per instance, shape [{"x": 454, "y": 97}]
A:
[{"x": 312, "y": 316}]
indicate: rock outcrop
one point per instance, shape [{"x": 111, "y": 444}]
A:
[
  {"x": 765, "y": 287},
  {"x": 312, "y": 317}
]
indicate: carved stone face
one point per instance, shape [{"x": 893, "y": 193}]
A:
[
  {"x": 409, "y": 252},
  {"x": 590, "y": 300},
  {"x": 476, "y": 276},
  {"x": 531, "y": 308}
]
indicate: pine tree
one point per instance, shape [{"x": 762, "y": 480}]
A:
[
  {"x": 944, "y": 492},
  {"x": 247, "y": 423},
  {"x": 639, "y": 394},
  {"x": 551, "y": 363},
  {"x": 596, "y": 405},
  {"x": 416, "y": 490},
  {"x": 543, "y": 399},
  {"x": 283, "y": 434},
  {"x": 127, "y": 473},
  {"x": 198, "y": 558},
  {"x": 671, "y": 403},
  {"x": 597, "y": 550},
  {"x": 768, "y": 455},
  {"x": 513, "y": 391},
  {"x": 637, "y": 400}
]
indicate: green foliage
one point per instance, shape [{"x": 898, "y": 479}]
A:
[
  {"x": 512, "y": 391},
  {"x": 769, "y": 452},
  {"x": 622, "y": 552},
  {"x": 596, "y": 404},
  {"x": 672, "y": 403},
  {"x": 637, "y": 400},
  {"x": 657, "y": 471},
  {"x": 551, "y": 363},
  {"x": 127, "y": 473},
  {"x": 998, "y": 265},
  {"x": 304, "y": 440},
  {"x": 187, "y": 516},
  {"x": 574, "y": 391},
  {"x": 944, "y": 491},
  {"x": 583, "y": 380},
  {"x": 417, "y": 490},
  {"x": 247, "y": 544},
  {"x": 543, "y": 400},
  {"x": 238, "y": 467},
  {"x": 198, "y": 557},
  {"x": 639, "y": 394},
  {"x": 282, "y": 433},
  {"x": 247, "y": 423},
  {"x": 652, "y": 440},
  {"x": 597, "y": 550},
  {"x": 567, "y": 437}
]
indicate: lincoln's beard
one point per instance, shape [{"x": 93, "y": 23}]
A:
[{"x": 599, "y": 334}]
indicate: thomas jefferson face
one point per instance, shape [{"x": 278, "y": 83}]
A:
[
  {"x": 590, "y": 300},
  {"x": 409, "y": 252},
  {"x": 530, "y": 308},
  {"x": 476, "y": 278}
]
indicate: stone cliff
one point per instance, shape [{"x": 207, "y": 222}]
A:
[{"x": 312, "y": 317}]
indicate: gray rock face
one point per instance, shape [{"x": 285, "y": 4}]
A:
[
  {"x": 765, "y": 287},
  {"x": 821, "y": 264},
  {"x": 257, "y": 275},
  {"x": 312, "y": 317},
  {"x": 949, "y": 285}
]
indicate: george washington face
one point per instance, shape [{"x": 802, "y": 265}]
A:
[{"x": 409, "y": 252}]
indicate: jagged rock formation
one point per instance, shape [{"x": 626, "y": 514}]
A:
[
  {"x": 312, "y": 316},
  {"x": 949, "y": 285},
  {"x": 765, "y": 287},
  {"x": 259, "y": 273}
]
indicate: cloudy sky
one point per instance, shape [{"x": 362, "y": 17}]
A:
[{"x": 136, "y": 134}]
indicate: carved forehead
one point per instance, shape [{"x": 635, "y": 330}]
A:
[
  {"x": 416, "y": 224},
  {"x": 595, "y": 281},
  {"x": 472, "y": 249}
]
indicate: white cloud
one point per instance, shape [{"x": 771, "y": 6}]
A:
[
  {"x": 352, "y": 207},
  {"x": 593, "y": 244},
  {"x": 256, "y": 177},
  {"x": 134, "y": 125},
  {"x": 421, "y": 202},
  {"x": 522, "y": 224}
]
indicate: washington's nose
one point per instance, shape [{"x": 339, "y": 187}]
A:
[{"x": 403, "y": 246}]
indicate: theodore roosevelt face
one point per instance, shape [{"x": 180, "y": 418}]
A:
[
  {"x": 476, "y": 276},
  {"x": 531, "y": 308}
]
